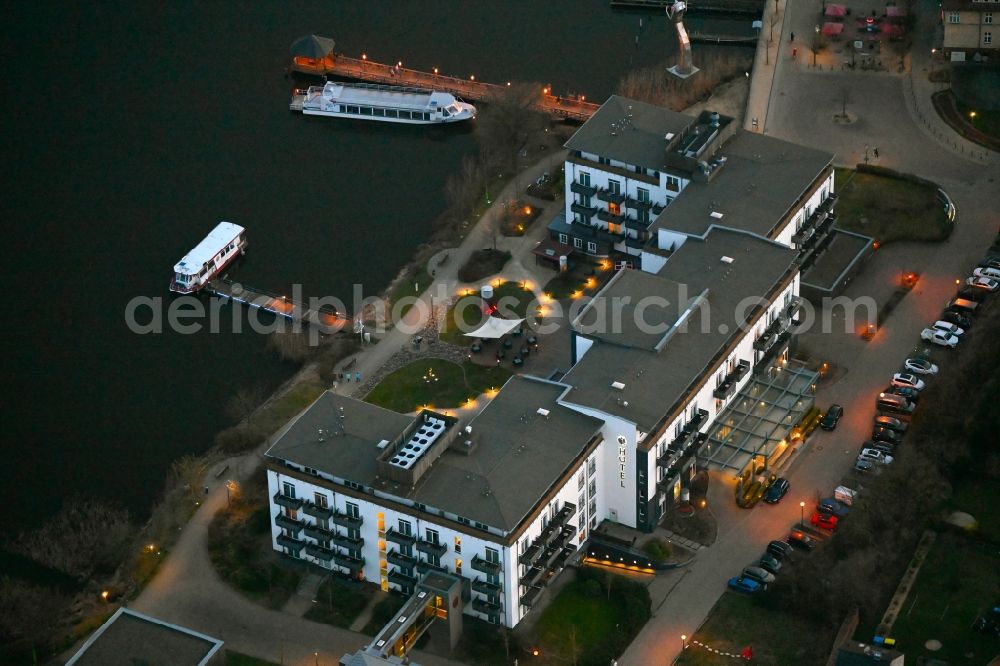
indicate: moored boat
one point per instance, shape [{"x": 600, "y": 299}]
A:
[
  {"x": 209, "y": 258},
  {"x": 394, "y": 104}
]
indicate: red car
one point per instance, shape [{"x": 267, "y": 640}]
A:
[{"x": 824, "y": 520}]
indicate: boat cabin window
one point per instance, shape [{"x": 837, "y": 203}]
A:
[
  {"x": 380, "y": 113},
  {"x": 445, "y": 112},
  {"x": 404, "y": 114},
  {"x": 366, "y": 110},
  {"x": 391, "y": 113},
  {"x": 354, "y": 109},
  {"x": 182, "y": 278},
  {"x": 453, "y": 109}
]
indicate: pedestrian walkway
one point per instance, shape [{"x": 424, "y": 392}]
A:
[{"x": 305, "y": 595}]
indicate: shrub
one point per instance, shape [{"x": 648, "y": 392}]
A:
[
  {"x": 238, "y": 439},
  {"x": 482, "y": 264}
]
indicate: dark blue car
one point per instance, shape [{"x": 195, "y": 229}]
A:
[
  {"x": 776, "y": 491},
  {"x": 741, "y": 584},
  {"x": 833, "y": 507}
]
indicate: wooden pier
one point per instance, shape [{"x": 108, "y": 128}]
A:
[
  {"x": 731, "y": 7},
  {"x": 575, "y": 108},
  {"x": 325, "y": 317}
]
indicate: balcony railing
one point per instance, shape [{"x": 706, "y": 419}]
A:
[
  {"x": 677, "y": 461},
  {"x": 608, "y": 196},
  {"x": 319, "y": 552},
  {"x": 398, "y": 537},
  {"x": 484, "y": 606},
  {"x": 316, "y": 511},
  {"x": 638, "y": 205},
  {"x": 532, "y": 575},
  {"x": 528, "y": 556},
  {"x": 287, "y": 501},
  {"x": 530, "y": 596},
  {"x": 608, "y": 216},
  {"x": 479, "y": 564},
  {"x": 485, "y": 587},
  {"x": 350, "y": 543},
  {"x": 772, "y": 351},
  {"x": 345, "y": 520},
  {"x": 349, "y": 561},
  {"x": 579, "y": 188},
  {"x": 586, "y": 211},
  {"x": 318, "y": 533},
  {"x": 292, "y": 525},
  {"x": 565, "y": 513},
  {"x": 399, "y": 578},
  {"x": 400, "y": 560},
  {"x": 424, "y": 567},
  {"x": 728, "y": 385},
  {"x": 431, "y": 547},
  {"x": 291, "y": 543}
]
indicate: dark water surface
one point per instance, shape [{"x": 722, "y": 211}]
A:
[{"x": 131, "y": 129}]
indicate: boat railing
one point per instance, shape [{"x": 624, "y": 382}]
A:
[{"x": 385, "y": 88}]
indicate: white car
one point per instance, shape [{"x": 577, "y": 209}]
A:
[
  {"x": 874, "y": 456},
  {"x": 908, "y": 380},
  {"x": 987, "y": 272},
  {"x": 920, "y": 366},
  {"x": 983, "y": 283},
  {"x": 948, "y": 327},
  {"x": 939, "y": 337}
]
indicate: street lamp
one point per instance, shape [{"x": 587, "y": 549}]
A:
[
  {"x": 684, "y": 644},
  {"x": 802, "y": 513}
]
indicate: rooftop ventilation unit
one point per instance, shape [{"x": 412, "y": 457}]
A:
[
  {"x": 716, "y": 214},
  {"x": 727, "y": 260},
  {"x": 384, "y": 443},
  {"x": 618, "y": 385},
  {"x": 544, "y": 412},
  {"x": 668, "y": 136}
]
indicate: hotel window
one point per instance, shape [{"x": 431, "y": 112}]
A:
[
  {"x": 404, "y": 527},
  {"x": 673, "y": 184},
  {"x": 593, "y": 522},
  {"x": 604, "y": 160},
  {"x": 493, "y": 555},
  {"x": 458, "y": 567},
  {"x": 458, "y": 545},
  {"x": 288, "y": 489},
  {"x": 591, "y": 247},
  {"x": 432, "y": 535},
  {"x": 592, "y": 488},
  {"x": 582, "y": 522},
  {"x": 585, "y": 179},
  {"x": 954, "y": 17},
  {"x": 643, "y": 194},
  {"x": 564, "y": 239},
  {"x": 614, "y": 228},
  {"x": 352, "y": 510},
  {"x": 578, "y": 243},
  {"x": 580, "y": 480},
  {"x": 988, "y": 17},
  {"x": 592, "y": 467},
  {"x": 614, "y": 187},
  {"x": 321, "y": 500},
  {"x": 987, "y": 38}
]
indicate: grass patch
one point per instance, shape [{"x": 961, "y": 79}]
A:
[
  {"x": 776, "y": 637},
  {"x": 986, "y": 121},
  {"x": 957, "y": 583},
  {"x": 584, "y": 277},
  {"x": 584, "y": 618},
  {"x": 240, "y": 659},
  {"x": 979, "y": 497},
  {"x": 239, "y": 546},
  {"x": 412, "y": 284},
  {"x": 889, "y": 208},
  {"x": 482, "y": 264},
  {"x": 339, "y": 602},
  {"x": 382, "y": 612},
  {"x": 284, "y": 408},
  {"x": 435, "y": 382},
  {"x": 486, "y": 644},
  {"x": 466, "y": 314}
]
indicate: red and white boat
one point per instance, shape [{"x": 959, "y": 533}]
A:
[{"x": 209, "y": 258}]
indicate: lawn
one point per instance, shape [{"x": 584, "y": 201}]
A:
[
  {"x": 957, "y": 582},
  {"x": 465, "y": 315},
  {"x": 584, "y": 277},
  {"x": 412, "y": 284},
  {"x": 239, "y": 659},
  {"x": 339, "y": 602},
  {"x": 986, "y": 121},
  {"x": 888, "y": 208},
  {"x": 382, "y": 612},
  {"x": 284, "y": 408},
  {"x": 482, "y": 264},
  {"x": 979, "y": 497},
  {"x": 776, "y": 638},
  {"x": 435, "y": 382},
  {"x": 584, "y": 618}
]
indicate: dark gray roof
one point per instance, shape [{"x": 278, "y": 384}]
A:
[
  {"x": 762, "y": 179},
  {"x": 641, "y": 142},
  {"x": 654, "y": 381},
  {"x": 130, "y": 638},
  {"x": 519, "y": 453},
  {"x": 844, "y": 250}
]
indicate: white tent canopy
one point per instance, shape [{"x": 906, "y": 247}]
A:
[{"x": 494, "y": 327}]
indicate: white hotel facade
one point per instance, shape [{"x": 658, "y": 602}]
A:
[{"x": 504, "y": 502}]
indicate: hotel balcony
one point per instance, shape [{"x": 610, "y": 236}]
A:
[
  {"x": 318, "y": 533},
  {"x": 344, "y": 520},
  {"x": 773, "y": 350},
  {"x": 292, "y": 525},
  {"x": 347, "y": 542},
  {"x": 401, "y": 560},
  {"x": 608, "y": 196},
  {"x": 637, "y": 225},
  {"x": 528, "y": 557},
  {"x": 675, "y": 460},
  {"x": 638, "y": 205},
  {"x": 349, "y": 561},
  {"x": 728, "y": 385},
  {"x": 608, "y": 216},
  {"x": 431, "y": 548},
  {"x": 424, "y": 567},
  {"x": 287, "y": 501},
  {"x": 530, "y": 596},
  {"x": 532, "y": 575},
  {"x": 487, "y": 588},
  {"x": 487, "y": 607},
  {"x": 399, "y": 578},
  {"x": 291, "y": 543},
  {"x": 565, "y": 513},
  {"x": 586, "y": 211},
  {"x": 319, "y": 552},
  {"x": 318, "y": 512},
  {"x": 396, "y": 536},
  {"x": 487, "y": 567},
  {"x": 579, "y": 188},
  {"x": 565, "y": 535},
  {"x": 563, "y": 557}
]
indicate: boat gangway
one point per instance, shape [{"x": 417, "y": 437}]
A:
[
  {"x": 326, "y": 317},
  {"x": 571, "y": 108}
]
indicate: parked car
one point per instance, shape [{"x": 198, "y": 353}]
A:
[
  {"x": 776, "y": 491},
  {"x": 983, "y": 283},
  {"x": 846, "y": 495},
  {"x": 890, "y": 423},
  {"x": 824, "y": 521},
  {"x": 987, "y": 272},
  {"x": 758, "y": 574},
  {"x": 885, "y": 447},
  {"x": 748, "y": 585},
  {"x": 971, "y": 293},
  {"x": 939, "y": 337},
  {"x": 990, "y": 262},
  {"x": 832, "y": 417},
  {"x": 957, "y": 318},
  {"x": 920, "y": 366},
  {"x": 864, "y": 466},
  {"x": 801, "y": 540},
  {"x": 902, "y": 391},
  {"x": 908, "y": 380},
  {"x": 963, "y": 305},
  {"x": 833, "y": 507},
  {"x": 948, "y": 327},
  {"x": 874, "y": 456},
  {"x": 770, "y": 563},
  {"x": 780, "y": 549},
  {"x": 886, "y": 435}
]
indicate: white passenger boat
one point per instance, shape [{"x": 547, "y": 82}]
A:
[
  {"x": 209, "y": 258},
  {"x": 393, "y": 104}
]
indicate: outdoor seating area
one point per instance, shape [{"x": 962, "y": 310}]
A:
[
  {"x": 839, "y": 23},
  {"x": 513, "y": 349}
]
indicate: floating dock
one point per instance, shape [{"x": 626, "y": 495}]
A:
[
  {"x": 326, "y": 318},
  {"x": 570, "y": 108},
  {"x": 731, "y": 7}
]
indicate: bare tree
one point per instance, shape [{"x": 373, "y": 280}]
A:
[
  {"x": 508, "y": 120},
  {"x": 845, "y": 96},
  {"x": 290, "y": 345},
  {"x": 242, "y": 406},
  {"x": 84, "y": 538},
  {"x": 29, "y": 615},
  {"x": 817, "y": 45},
  {"x": 653, "y": 86}
]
